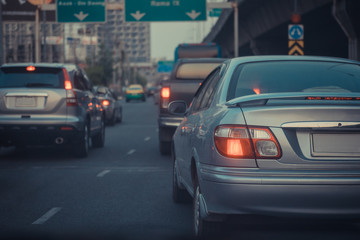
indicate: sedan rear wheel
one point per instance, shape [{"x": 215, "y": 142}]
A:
[
  {"x": 119, "y": 117},
  {"x": 203, "y": 229},
  {"x": 179, "y": 195},
  {"x": 164, "y": 148},
  {"x": 81, "y": 150},
  {"x": 98, "y": 140},
  {"x": 112, "y": 121}
]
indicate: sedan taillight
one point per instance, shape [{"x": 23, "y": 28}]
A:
[
  {"x": 105, "y": 103},
  {"x": 246, "y": 142}
]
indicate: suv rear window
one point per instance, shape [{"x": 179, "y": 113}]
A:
[
  {"x": 294, "y": 76},
  {"x": 19, "y": 77},
  {"x": 195, "y": 70}
]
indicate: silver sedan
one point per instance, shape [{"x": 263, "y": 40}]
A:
[{"x": 271, "y": 135}]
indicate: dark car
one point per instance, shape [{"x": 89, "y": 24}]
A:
[
  {"x": 185, "y": 79},
  {"x": 49, "y": 104},
  {"x": 111, "y": 104},
  {"x": 150, "y": 91},
  {"x": 271, "y": 136}
]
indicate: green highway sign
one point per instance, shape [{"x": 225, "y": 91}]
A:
[
  {"x": 79, "y": 11},
  {"x": 165, "y": 10},
  {"x": 216, "y": 12},
  {"x": 165, "y": 66}
]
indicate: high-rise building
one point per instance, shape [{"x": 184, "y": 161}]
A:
[
  {"x": 19, "y": 42},
  {"x": 131, "y": 37}
]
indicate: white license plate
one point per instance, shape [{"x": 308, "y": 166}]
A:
[
  {"x": 25, "y": 102},
  {"x": 336, "y": 145}
]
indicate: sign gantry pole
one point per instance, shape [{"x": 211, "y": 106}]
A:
[
  {"x": 37, "y": 35},
  {"x": 1, "y": 38},
  {"x": 224, "y": 5}
]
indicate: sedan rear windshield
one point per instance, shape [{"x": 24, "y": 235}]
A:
[
  {"x": 20, "y": 77},
  {"x": 195, "y": 70},
  {"x": 294, "y": 76}
]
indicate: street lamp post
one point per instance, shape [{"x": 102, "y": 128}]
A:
[{"x": 1, "y": 38}]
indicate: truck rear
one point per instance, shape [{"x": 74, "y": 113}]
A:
[{"x": 185, "y": 79}]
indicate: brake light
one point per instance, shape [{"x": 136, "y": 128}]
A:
[
  {"x": 66, "y": 128},
  {"x": 30, "y": 68},
  {"x": 68, "y": 85},
  {"x": 105, "y": 103},
  {"x": 246, "y": 142},
  {"x": 71, "y": 99},
  {"x": 165, "y": 92},
  {"x": 334, "y": 98},
  {"x": 257, "y": 91}
]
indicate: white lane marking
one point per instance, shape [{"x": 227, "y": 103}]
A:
[
  {"x": 147, "y": 139},
  {"x": 47, "y": 215},
  {"x": 138, "y": 169},
  {"x": 103, "y": 173},
  {"x": 131, "y": 152}
]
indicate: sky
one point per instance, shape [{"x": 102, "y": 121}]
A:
[{"x": 165, "y": 36}]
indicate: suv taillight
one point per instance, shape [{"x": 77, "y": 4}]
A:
[
  {"x": 165, "y": 95},
  {"x": 71, "y": 99},
  {"x": 246, "y": 142},
  {"x": 165, "y": 92}
]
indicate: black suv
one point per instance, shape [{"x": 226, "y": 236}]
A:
[{"x": 49, "y": 104}]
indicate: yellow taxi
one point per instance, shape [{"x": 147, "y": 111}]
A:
[{"x": 135, "y": 92}]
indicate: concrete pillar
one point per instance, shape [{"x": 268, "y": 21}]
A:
[{"x": 347, "y": 19}]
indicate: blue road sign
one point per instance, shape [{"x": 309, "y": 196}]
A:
[
  {"x": 165, "y": 66},
  {"x": 296, "y": 32}
]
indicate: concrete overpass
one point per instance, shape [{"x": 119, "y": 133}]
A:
[{"x": 331, "y": 27}]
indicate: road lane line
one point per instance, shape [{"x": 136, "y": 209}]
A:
[
  {"x": 131, "y": 152},
  {"x": 103, "y": 173},
  {"x": 147, "y": 139},
  {"x": 47, "y": 215}
]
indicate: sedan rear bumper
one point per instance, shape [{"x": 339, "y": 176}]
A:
[{"x": 252, "y": 191}]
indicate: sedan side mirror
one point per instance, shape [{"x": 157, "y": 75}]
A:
[
  {"x": 101, "y": 90},
  {"x": 177, "y": 108}
]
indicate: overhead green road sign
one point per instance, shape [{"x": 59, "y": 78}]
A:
[
  {"x": 78, "y": 11},
  {"x": 165, "y": 10}
]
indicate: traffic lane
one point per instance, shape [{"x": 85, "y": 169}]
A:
[
  {"x": 262, "y": 227},
  {"x": 136, "y": 136},
  {"x": 97, "y": 194},
  {"x": 128, "y": 197},
  {"x": 124, "y": 202}
]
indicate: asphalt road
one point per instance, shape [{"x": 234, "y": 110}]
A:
[{"x": 122, "y": 191}]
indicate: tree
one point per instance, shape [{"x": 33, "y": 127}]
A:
[
  {"x": 136, "y": 77},
  {"x": 96, "y": 74},
  {"x": 140, "y": 79},
  {"x": 100, "y": 71}
]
